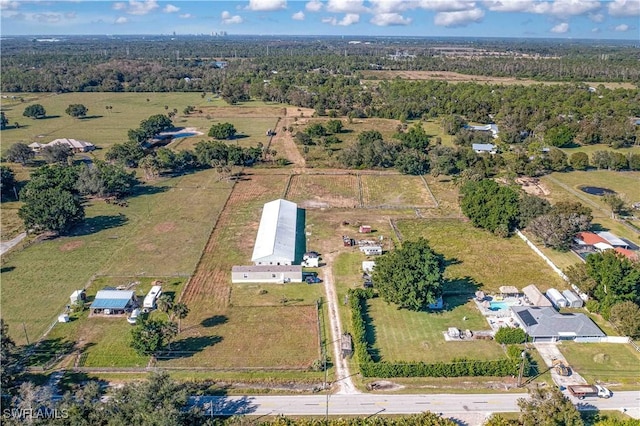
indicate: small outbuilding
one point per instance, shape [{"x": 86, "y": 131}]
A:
[
  {"x": 573, "y": 300},
  {"x": 278, "y": 274},
  {"x": 113, "y": 302},
  {"x": 78, "y": 296},
  {"x": 346, "y": 345},
  {"x": 311, "y": 259},
  {"x": 556, "y": 298},
  {"x": 368, "y": 265},
  {"x": 371, "y": 250},
  {"x": 509, "y": 290},
  {"x": 535, "y": 297},
  {"x": 364, "y": 229}
]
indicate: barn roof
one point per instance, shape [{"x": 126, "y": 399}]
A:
[
  {"x": 277, "y": 232},
  {"x": 612, "y": 239},
  {"x": 547, "y": 322},
  {"x": 112, "y": 299}
]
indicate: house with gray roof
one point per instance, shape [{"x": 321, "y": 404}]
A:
[
  {"x": 266, "y": 274},
  {"x": 545, "y": 324}
]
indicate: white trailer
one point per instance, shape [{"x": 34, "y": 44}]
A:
[
  {"x": 556, "y": 298},
  {"x": 574, "y": 301},
  {"x": 152, "y": 297}
]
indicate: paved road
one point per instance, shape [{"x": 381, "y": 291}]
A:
[
  {"x": 7, "y": 245},
  {"x": 368, "y": 404}
]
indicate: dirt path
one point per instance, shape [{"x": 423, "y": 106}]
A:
[
  {"x": 285, "y": 145},
  {"x": 343, "y": 376}
]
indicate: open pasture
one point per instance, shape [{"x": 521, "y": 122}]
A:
[
  {"x": 251, "y": 131},
  {"x": 614, "y": 364},
  {"x": 480, "y": 260},
  {"x": 324, "y": 190},
  {"x": 160, "y": 233},
  {"x": 395, "y": 191}
]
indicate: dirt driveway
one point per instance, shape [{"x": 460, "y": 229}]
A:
[{"x": 550, "y": 352}]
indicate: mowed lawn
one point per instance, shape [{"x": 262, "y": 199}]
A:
[
  {"x": 161, "y": 233},
  {"x": 403, "y": 335},
  {"x": 611, "y": 363},
  {"x": 479, "y": 258}
]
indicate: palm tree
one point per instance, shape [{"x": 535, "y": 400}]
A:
[
  {"x": 181, "y": 311},
  {"x": 165, "y": 303},
  {"x": 169, "y": 331}
]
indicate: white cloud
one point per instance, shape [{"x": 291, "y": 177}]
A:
[
  {"x": 573, "y": 7},
  {"x": 595, "y": 30},
  {"x": 298, "y": 16},
  {"x": 621, "y": 28},
  {"x": 348, "y": 19},
  {"x": 314, "y": 6},
  {"x": 266, "y": 5},
  {"x": 228, "y": 19},
  {"x": 170, "y": 9},
  {"x": 624, "y": 8},
  {"x": 8, "y": 5},
  {"x": 386, "y": 19},
  {"x": 556, "y": 8},
  {"x": 596, "y": 17},
  {"x": 346, "y": 6},
  {"x": 448, "y": 6},
  {"x": 459, "y": 18},
  {"x": 135, "y": 7},
  {"x": 186, "y": 16},
  {"x": 48, "y": 18},
  {"x": 560, "y": 28},
  {"x": 393, "y": 6},
  {"x": 122, "y": 20}
]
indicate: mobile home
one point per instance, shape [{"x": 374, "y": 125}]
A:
[{"x": 152, "y": 297}]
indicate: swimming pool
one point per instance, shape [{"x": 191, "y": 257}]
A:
[
  {"x": 498, "y": 306},
  {"x": 183, "y": 135}
]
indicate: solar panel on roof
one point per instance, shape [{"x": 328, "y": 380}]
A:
[{"x": 527, "y": 318}]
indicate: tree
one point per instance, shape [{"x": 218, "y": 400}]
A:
[
  {"x": 35, "y": 111},
  {"x": 412, "y": 162},
  {"x": 58, "y": 153},
  {"x": 128, "y": 154},
  {"x": 557, "y": 160},
  {"x": 601, "y": 159},
  {"x": 579, "y": 276},
  {"x": 415, "y": 138},
  {"x": 303, "y": 138},
  {"x": 617, "y": 279},
  {"x": 12, "y": 365},
  {"x": 614, "y": 202},
  {"x": 559, "y": 136},
  {"x": 490, "y": 206},
  {"x": 634, "y": 162},
  {"x": 334, "y": 126},
  {"x": 7, "y": 181},
  {"x": 76, "y": 110},
  {"x": 316, "y": 129},
  {"x": 557, "y": 230},
  {"x": 181, "y": 310},
  {"x": 531, "y": 207},
  {"x": 579, "y": 160},
  {"x": 626, "y": 317},
  {"x": 548, "y": 407},
  {"x": 452, "y": 124},
  {"x": 52, "y": 209},
  {"x": 222, "y": 131},
  {"x": 151, "y": 336},
  {"x": 3, "y": 120},
  {"x": 410, "y": 276},
  {"x": 19, "y": 153},
  {"x": 105, "y": 180},
  {"x": 165, "y": 303}
]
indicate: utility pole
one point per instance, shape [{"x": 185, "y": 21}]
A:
[{"x": 523, "y": 356}]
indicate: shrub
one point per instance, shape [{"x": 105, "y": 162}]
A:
[{"x": 510, "y": 336}]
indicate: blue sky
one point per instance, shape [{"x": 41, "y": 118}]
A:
[{"x": 597, "y": 19}]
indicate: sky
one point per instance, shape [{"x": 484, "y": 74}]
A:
[{"x": 577, "y": 19}]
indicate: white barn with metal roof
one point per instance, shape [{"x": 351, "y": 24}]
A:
[{"x": 276, "y": 240}]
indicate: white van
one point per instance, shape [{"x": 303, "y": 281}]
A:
[{"x": 133, "y": 318}]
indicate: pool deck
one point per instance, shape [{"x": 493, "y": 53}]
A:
[{"x": 502, "y": 317}]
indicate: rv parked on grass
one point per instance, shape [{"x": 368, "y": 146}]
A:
[{"x": 152, "y": 297}]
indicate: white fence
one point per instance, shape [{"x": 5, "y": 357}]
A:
[{"x": 542, "y": 255}]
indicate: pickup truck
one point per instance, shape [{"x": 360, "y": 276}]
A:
[{"x": 582, "y": 391}]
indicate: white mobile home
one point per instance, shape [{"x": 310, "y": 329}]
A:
[
  {"x": 371, "y": 250},
  {"x": 152, "y": 297},
  {"x": 266, "y": 274},
  {"x": 556, "y": 298}
]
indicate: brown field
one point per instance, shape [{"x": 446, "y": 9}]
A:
[
  {"x": 323, "y": 191},
  {"x": 229, "y": 111},
  {"x": 454, "y": 77},
  {"x": 395, "y": 191}
]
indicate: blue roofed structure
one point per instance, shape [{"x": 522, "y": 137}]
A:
[{"x": 113, "y": 302}]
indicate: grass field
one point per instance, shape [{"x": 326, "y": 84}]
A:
[
  {"x": 251, "y": 130},
  {"x": 105, "y": 127},
  {"x": 395, "y": 191},
  {"x": 321, "y": 191},
  {"x": 590, "y": 149},
  {"x": 479, "y": 258},
  {"x": 161, "y": 233},
  {"x": 614, "y": 364},
  {"x": 403, "y": 335}
]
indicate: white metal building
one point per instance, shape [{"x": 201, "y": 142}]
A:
[
  {"x": 573, "y": 300},
  {"x": 276, "y": 240},
  {"x": 266, "y": 274},
  {"x": 557, "y": 298}
]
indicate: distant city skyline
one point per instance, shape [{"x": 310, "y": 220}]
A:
[{"x": 578, "y": 19}]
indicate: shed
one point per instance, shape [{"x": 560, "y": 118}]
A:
[
  {"x": 311, "y": 259},
  {"x": 276, "y": 239},
  {"x": 368, "y": 265},
  {"x": 371, "y": 250},
  {"x": 612, "y": 239},
  {"x": 77, "y": 296},
  {"x": 535, "y": 296},
  {"x": 364, "y": 229},
  {"x": 266, "y": 274},
  {"x": 113, "y": 302},
  {"x": 63, "y": 318},
  {"x": 453, "y": 332},
  {"x": 479, "y": 148},
  {"x": 556, "y": 298},
  {"x": 509, "y": 290},
  {"x": 573, "y": 300}
]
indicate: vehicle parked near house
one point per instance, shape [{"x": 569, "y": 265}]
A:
[{"x": 583, "y": 391}]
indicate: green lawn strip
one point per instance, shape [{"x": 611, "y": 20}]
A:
[
  {"x": 614, "y": 364},
  {"x": 256, "y": 294},
  {"x": 110, "y": 242},
  {"x": 590, "y": 149},
  {"x": 479, "y": 257}
]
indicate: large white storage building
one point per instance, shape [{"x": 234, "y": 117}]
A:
[{"x": 276, "y": 239}]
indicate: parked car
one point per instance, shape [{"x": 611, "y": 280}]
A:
[{"x": 133, "y": 318}]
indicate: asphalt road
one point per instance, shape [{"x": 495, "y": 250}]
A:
[{"x": 369, "y": 404}]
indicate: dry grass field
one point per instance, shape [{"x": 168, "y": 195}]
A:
[
  {"x": 324, "y": 190},
  {"x": 395, "y": 191}
]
